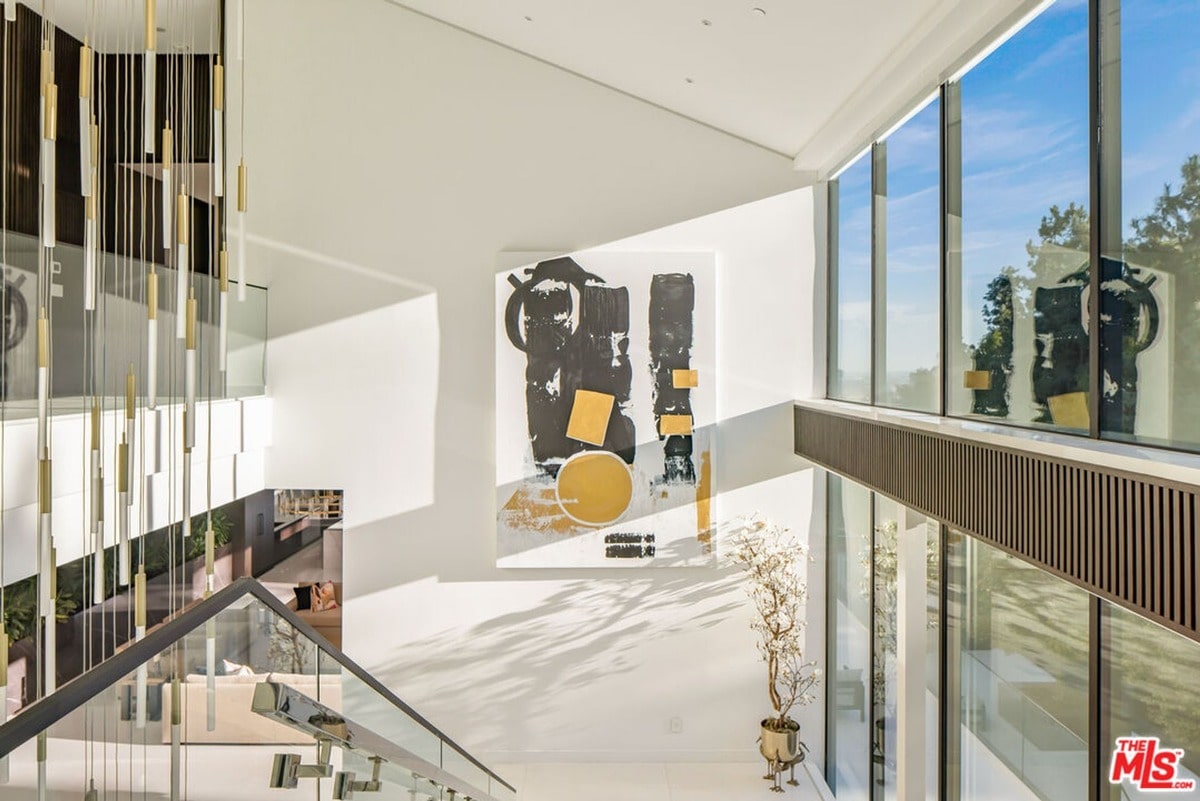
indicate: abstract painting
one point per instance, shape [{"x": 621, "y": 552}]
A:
[{"x": 605, "y": 409}]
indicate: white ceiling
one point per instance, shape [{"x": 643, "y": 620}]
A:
[
  {"x": 118, "y": 26},
  {"x": 775, "y": 79}
]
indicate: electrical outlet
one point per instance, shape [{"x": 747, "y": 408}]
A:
[{"x": 676, "y": 725}]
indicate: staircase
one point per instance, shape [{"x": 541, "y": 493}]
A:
[{"x": 234, "y": 699}]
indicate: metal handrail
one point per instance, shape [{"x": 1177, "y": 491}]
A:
[
  {"x": 44, "y": 713},
  {"x": 290, "y": 707}
]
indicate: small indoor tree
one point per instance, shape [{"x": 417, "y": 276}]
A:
[{"x": 773, "y": 560}]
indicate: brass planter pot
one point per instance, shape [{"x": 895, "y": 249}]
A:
[
  {"x": 783, "y": 751},
  {"x": 780, "y": 746}
]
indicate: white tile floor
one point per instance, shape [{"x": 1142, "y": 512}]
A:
[
  {"x": 652, "y": 782},
  {"x": 220, "y": 773}
]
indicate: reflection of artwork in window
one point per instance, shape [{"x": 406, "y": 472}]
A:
[
  {"x": 1166, "y": 243},
  {"x": 1039, "y": 317},
  {"x": 881, "y": 567},
  {"x": 15, "y": 323},
  {"x": 993, "y": 356}
]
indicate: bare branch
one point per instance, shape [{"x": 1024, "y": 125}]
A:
[{"x": 772, "y": 559}]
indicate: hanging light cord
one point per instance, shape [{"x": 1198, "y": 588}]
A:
[{"x": 4, "y": 299}]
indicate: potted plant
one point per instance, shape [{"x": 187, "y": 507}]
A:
[{"x": 772, "y": 560}]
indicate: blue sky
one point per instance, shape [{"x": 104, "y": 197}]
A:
[{"x": 1025, "y": 148}]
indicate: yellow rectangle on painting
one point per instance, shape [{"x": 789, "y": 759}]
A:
[
  {"x": 977, "y": 379},
  {"x": 675, "y": 425},
  {"x": 704, "y": 500},
  {"x": 1070, "y": 410},
  {"x": 685, "y": 379},
  {"x": 590, "y": 416}
]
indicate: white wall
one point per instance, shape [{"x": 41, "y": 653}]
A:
[
  {"x": 241, "y": 434},
  {"x": 392, "y": 160},
  {"x": 527, "y": 655}
]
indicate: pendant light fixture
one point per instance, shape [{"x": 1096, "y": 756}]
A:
[
  {"x": 241, "y": 171},
  {"x": 85, "y": 118},
  {"x": 49, "y": 146},
  {"x": 149, "y": 70}
]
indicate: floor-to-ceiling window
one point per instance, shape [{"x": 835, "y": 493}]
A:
[
  {"x": 933, "y": 662},
  {"x": 1018, "y": 348},
  {"x": 1020, "y": 648},
  {"x": 883, "y": 607},
  {"x": 850, "y": 307},
  {"x": 1150, "y": 691},
  {"x": 1030, "y": 190},
  {"x": 1151, "y": 208},
  {"x": 907, "y": 326},
  {"x": 848, "y": 741},
  {"x": 1037, "y": 162},
  {"x": 889, "y": 522},
  {"x": 1042, "y": 681}
]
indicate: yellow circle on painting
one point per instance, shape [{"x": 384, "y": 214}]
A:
[{"x": 594, "y": 488}]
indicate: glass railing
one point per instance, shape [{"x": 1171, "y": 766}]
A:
[
  {"x": 119, "y": 321},
  {"x": 234, "y": 699},
  {"x": 1037, "y": 747}
]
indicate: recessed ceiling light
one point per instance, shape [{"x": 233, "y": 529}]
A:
[
  {"x": 528, "y": 19},
  {"x": 762, "y": 12},
  {"x": 689, "y": 80},
  {"x": 707, "y": 23}
]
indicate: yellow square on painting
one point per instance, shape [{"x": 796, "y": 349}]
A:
[
  {"x": 977, "y": 379},
  {"x": 675, "y": 425},
  {"x": 590, "y": 416},
  {"x": 685, "y": 379},
  {"x": 1069, "y": 410}
]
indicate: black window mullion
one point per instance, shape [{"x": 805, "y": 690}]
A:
[
  {"x": 1097, "y": 701},
  {"x": 943, "y": 666},
  {"x": 831, "y": 313},
  {"x": 943, "y": 239},
  {"x": 831, "y": 682},
  {"x": 1095, "y": 368},
  {"x": 875, "y": 770}
]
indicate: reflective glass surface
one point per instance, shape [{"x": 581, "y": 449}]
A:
[
  {"x": 1021, "y": 653},
  {"x": 850, "y": 312},
  {"x": 1151, "y": 240},
  {"x": 889, "y": 523},
  {"x": 848, "y": 746},
  {"x": 1019, "y": 233},
  {"x": 193, "y": 722},
  {"x": 1151, "y": 691},
  {"x": 120, "y": 323},
  {"x": 908, "y": 328}
]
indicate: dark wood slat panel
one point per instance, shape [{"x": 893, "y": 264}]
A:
[
  {"x": 1127, "y": 538},
  {"x": 184, "y": 81}
]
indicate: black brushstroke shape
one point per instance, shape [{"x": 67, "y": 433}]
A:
[
  {"x": 622, "y": 538},
  {"x": 672, "y": 303},
  {"x": 562, "y": 356},
  {"x": 604, "y": 360},
  {"x": 629, "y": 552}
]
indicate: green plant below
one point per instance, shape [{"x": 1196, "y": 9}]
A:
[
  {"x": 20, "y": 608},
  {"x": 154, "y": 549}
]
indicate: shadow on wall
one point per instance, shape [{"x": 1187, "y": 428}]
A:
[
  {"x": 740, "y": 460},
  {"x": 307, "y": 289},
  {"x": 432, "y": 548},
  {"x": 582, "y": 636}
]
